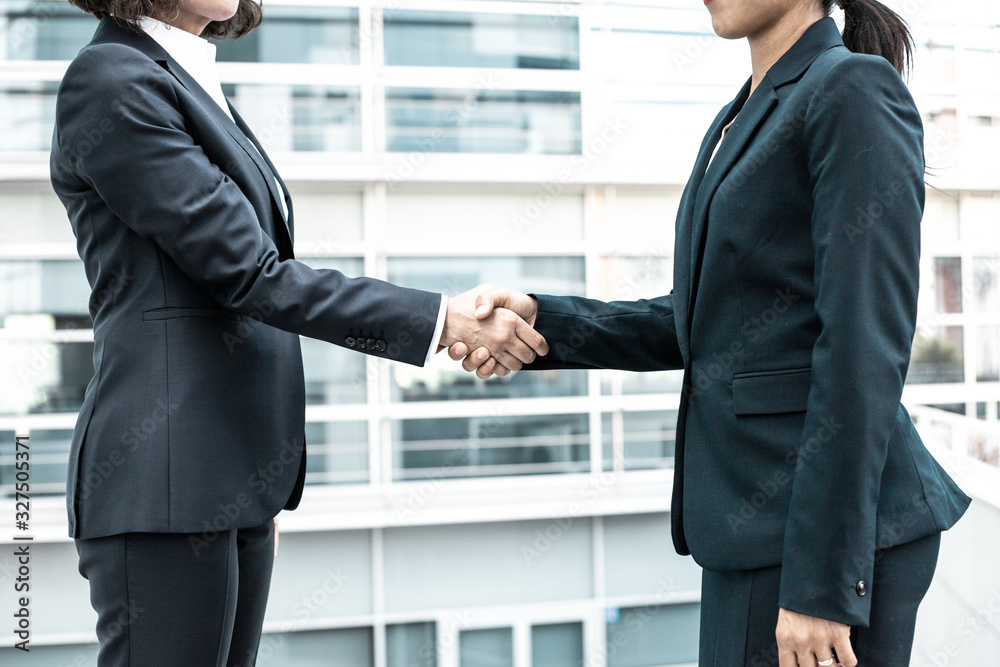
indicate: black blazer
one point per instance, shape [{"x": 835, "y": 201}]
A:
[
  {"x": 792, "y": 314},
  {"x": 194, "y": 420}
]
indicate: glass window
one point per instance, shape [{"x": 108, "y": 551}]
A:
[
  {"x": 49, "y": 457},
  {"x": 937, "y": 356},
  {"x": 985, "y": 273},
  {"x": 44, "y": 376},
  {"x": 490, "y": 446},
  {"x": 327, "y": 35},
  {"x": 429, "y": 120},
  {"x": 948, "y": 284},
  {"x": 648, "y": 439},
  {"x": 460, "y": 39},
  {"x": 444, "y": 379},
  {"x": 300, "y": 118},
  {"x": 988, "y": 359},
  {"x": 557, "y": 645},
  {"x": 338, "y": 453},
  {"x": 32, "y": 214},
  {"x": 29, "y": 114},
  {"x": 411, "y": 645},
  {"x": 351, "y": 647},
  {"x": 640, "y": 560},
  {"x": 59, "y": 288},
  {"x": 653, "y": 635},
  {"x": 44, "y": 30},
  {"x": 326, "y": 220},
  {"x": 486, "y": 648}
]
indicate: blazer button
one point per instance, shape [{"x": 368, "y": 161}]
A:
[
  {"x": 370, "y": 343},
  {"x": 381, "y": 346},
  {"x": 349, "y": 341},
  {"x": 861, "y": 588}
]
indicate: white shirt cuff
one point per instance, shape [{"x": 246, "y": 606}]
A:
[{"x": 438, "y": 330}]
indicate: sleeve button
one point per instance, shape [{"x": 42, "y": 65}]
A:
[
  {"x": 381, "y": 346},
  {"x": 349, "y": 341},
  {"x": 861, "y": 588},
  {"x": 370, "y": 343}
]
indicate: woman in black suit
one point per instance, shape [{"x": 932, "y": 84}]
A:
[
  {"x": 800, "y": 483},
  {"x": 191, "y": 436}
]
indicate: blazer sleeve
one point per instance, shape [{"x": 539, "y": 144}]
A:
[
  {"x": 625, "y": 335},
  {"x": 120, "y": 127},
  {"x": 864, "y": 142}
]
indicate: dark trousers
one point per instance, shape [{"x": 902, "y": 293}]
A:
[
  {"x": 739, "y": 611},
  {"x": 178, "y": 599}
]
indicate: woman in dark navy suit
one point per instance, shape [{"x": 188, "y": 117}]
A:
[{"x": 800, "y": 483}]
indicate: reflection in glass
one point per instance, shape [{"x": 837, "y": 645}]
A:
[
  {"x": 29, "y": 114},
  {"x": 44, "y": 30},
  {"x": 460, "y": 39},
  {"x": 490, "y": 446},
  {"x": 300, "y": 118},
  {"x": 411, "y": 645},
  {"x": 937, "y": 356},
  {"x": 338, "y": 452},
  {"x": 444, "y": 379},
  {"x": 948, "y": 284},
  {"x": 486, "y": 648},
  {"x": 988, "y": 359},
  {"x": 557, "y": 645},
  {"x": 649, "y": 439},
  {"x": 985, "y": 273},
  {"x": 653, "y": 635},
  {"x": 435, "y": 120},
  {"x": 327, "y": 35},
  {"x": 318, "y": 648},
  {"x": 49, "y": 460}
]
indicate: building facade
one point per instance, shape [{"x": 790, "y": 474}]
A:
[{"x": 441, "y": 144}]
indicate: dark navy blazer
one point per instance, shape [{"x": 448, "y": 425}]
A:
[
  {"x": 792, "y": 314},
  {"x": 194, "y": 420}
]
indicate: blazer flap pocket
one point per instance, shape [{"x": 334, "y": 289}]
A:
[
  {"x": 771, "y": 392},
  {"x": 171, "y": 313}
]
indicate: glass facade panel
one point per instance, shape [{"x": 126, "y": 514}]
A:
[
  {"x": 988, "y": 359},
  {"x": 326, "y": 35},
  {"x": 948, "y": 284},
  {"x": 490, "y": 446},
  {"x": 937, "y": 356},
  {"x": 557, "y": 645},
  {"x": 648, "y": 439},
  {"x": 43, "y": 30},
  {"x": 443, "y": 380},
  {"x": 985, "y": 274},
  {"x": 44, "y": 376},
  {"x": 652, "y": 635},
  {"x": 32, "y": 214},
  {"x": 486, "y": 648},
  {"x": 29, "y": 114},
  {"x": 411, "y": 645},
  {"x": 58, "y": 288},
  {"x": 49, "y": 450},
  {"x": 438, "y": 120},
  {"x": 460, "y": 39},
  {"x": 300, "y": 118},
  {"x": 338, "y": 453},
  {"x": 351, "y": 647}
]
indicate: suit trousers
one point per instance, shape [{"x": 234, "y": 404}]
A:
[
  {"x": 739, "y": 610},
  {"x": 166, "y": 599}
]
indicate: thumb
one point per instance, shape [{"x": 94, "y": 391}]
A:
[{"x": 486, "y": 302}]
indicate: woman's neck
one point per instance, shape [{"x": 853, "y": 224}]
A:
[{"x": 768, "y": 45}]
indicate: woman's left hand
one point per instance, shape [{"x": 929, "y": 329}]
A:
[{"x": 806, "y": 641}]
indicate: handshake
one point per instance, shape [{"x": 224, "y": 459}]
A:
[{"x": 490, "y": 329}]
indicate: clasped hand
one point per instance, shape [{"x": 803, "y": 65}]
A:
[{"x": 496, "y": 325}]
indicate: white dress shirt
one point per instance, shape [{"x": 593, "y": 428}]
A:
[{"x": 197, "y": 57}]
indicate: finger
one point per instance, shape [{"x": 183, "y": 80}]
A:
[
  {"x": 786, "y": 657},
  {"x": 458, "y": 351},
  {"x": 487, "y": 301},
  {"x": 532, "y": 339},
  {"x": 476, "y": 359},
  {"x": 845, "y": 652},
  {"x": 486, "y": 370},
  {"x": 502, "y": 371}
]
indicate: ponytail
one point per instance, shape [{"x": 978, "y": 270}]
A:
[{"x": 871, "y": 27}]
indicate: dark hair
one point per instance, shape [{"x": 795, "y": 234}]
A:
[
  {"x": 871, "y": 27},
  {"x": 128, "y": 12}
]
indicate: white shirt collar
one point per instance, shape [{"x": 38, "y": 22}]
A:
[{"x": 195, "y": 54}]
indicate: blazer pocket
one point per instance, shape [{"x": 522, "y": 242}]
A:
[
  {"x": 771, "y": 392},
  {"x": 172, "y": 313}
]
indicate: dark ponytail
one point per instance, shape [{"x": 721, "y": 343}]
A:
[{"x": 871, "y": 27}]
